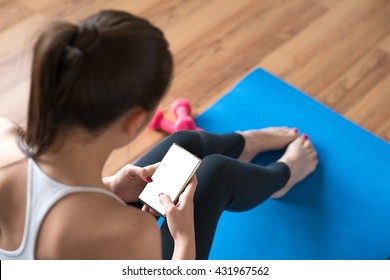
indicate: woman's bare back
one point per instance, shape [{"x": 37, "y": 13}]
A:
[
  {"x": 80, "y": 225},
  {"x": 13, "y": 182}
]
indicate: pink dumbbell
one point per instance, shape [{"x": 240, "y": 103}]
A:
[
  {"x": 160, "y": 122},
  {"x": 182, "y": 110}
]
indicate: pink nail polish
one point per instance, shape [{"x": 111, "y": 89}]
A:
[
  {"x": 295, "y": 130},
  {"x": 160, "y": 194},
  {"x": 305, "y": 136},
  {"x": 149, "y": 179}
]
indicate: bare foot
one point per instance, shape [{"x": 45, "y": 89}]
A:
[
  {"x": 261, "y": 140},
  {"x": 302, "y": 160}
]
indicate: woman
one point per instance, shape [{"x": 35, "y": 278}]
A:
[{"x": 94, "y": 88}]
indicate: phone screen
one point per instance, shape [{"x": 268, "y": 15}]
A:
[{"x": 174, "y": 172}]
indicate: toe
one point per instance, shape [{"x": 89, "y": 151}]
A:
[
  {"x": 300, "y": 140},
  {"x": 307, "y": 143}
]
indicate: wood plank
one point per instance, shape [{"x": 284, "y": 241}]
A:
[
  {"x": 183, "y": 30},
  {"x": 357, "y": 82},
  {"x": 75, "y": 11},
  {"x": 328, "y": 3},
  {"x": 11, "y": 13},
  {"x": 14, "y": 102},
  {"x": 14, "y": 70},
  {"x": 85, "y": 9},
  {"x": 383, "y": 130},
  {"x": 323, "y": 32},
  {"x": 334, "y": 59},
  {"x": 21, "y": 36},
  {"x": 165, "y": 13},
  {"x": 135, "y": 7},
  {"x": 373, "y": 108},
  {"x": 234, "y": 46},
  {"x": 60, "y": 9},
  {"x": 39, "y": 5},
  {"x": 385, "y": 44}
]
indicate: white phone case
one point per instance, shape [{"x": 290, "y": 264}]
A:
[{"x": 174, "y": 172}]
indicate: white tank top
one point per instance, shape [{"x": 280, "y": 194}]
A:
[{"x": 42, "y": 193}]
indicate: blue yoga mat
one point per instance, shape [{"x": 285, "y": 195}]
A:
[{"x": 341, "y": 211}]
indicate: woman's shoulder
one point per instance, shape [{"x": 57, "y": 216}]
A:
[
  {"x": 10, "y": 152},
  {"x": 9, "y": 149},
  {"x": 7, "y": 126},
  {"x": 8, "y": 132},
  {"x": 96, "y": 226}
]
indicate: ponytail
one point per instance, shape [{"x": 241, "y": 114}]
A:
[
  {"x": 88, "y": 75},
  {"x": 47, "y": 66}
]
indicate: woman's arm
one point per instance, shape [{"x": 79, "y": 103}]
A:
[
  {"x": 129, "y": 181},
  {"x": 180, "y": 219},
  {"x": 184, "y": 249}
]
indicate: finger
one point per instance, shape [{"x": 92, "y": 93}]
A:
[
  {"x": 142, "y": 174},
  {"x": 191, "y": 187},
  {"x": 150, "y": 211},
  {"x": 152, "y": 168},
  {"x": 145, "y": 208},
  {"x": 166, "y": 202},
  {"x": 146, "y": 172},
  {"x": 130, "y": 171},
  {"x": 189, "y": 191}
]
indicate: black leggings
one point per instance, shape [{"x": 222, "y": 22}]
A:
[{"x": 224, "y": 183}]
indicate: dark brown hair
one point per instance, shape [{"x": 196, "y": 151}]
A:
[{"x": 89, "y": 75}]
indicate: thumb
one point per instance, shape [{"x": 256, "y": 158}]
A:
[
  {"x": 165, "y": 201},
  {"x": 143, "y": 174}
]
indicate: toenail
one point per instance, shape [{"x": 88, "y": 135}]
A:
[
  {"x": 296, "y": 130},
  {"x": 305, "y": 136}
]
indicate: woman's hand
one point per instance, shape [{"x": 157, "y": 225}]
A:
[
  {"x": 180, "y": 219},
  {"x": 129, "y": 181}
]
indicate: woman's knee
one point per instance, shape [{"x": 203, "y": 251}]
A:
[
  {"x": 183, "y": 136},
  {"x": 213, "y": 179},
  {"x": 189, "y": 140},
  {"x": 214, "y": 167}
]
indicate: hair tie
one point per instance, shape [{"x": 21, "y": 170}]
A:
[
  {"x": 88, "y": 37},
  {"x": 72, "y": 54}
]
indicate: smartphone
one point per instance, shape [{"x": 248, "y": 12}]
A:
[{"x": 171, "y": 177}]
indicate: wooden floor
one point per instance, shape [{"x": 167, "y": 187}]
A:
[{"x": 337, "y": 51}]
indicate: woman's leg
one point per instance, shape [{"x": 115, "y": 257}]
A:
[
  {"x": 223, "y": 183},
  {"x": 199, "y": 143},
  {"x": 226, "y": 184}
]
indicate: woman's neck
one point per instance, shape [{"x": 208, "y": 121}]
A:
[{"x": 77, "y": 158}]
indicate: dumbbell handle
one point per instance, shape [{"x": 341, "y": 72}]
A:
[
  {"x": 167, "y": 125},
  {"x": 185, "y": 123},
  {"x": 160, "y": 122},
  {"x": 182, "y": 110}
]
